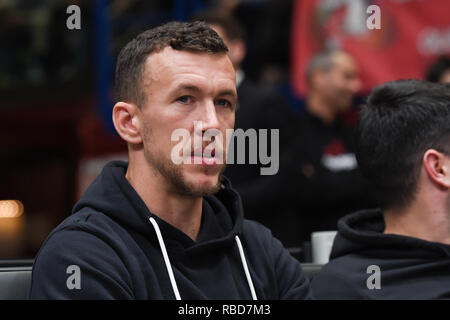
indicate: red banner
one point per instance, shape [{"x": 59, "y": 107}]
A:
[{"x": 410, "y": 35}]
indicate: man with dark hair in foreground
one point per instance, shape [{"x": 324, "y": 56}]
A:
[
  {"x": 402, "y": 250},
  {"x": 154, "y": 228}
]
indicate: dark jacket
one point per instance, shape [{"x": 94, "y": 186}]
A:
[
  {"x": 329, "y": 182},
  {"x": 408, "y": 268},
  {"x": 112, "y": 241}
]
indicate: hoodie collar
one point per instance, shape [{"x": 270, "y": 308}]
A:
[
  {"x": 363, "y": 230},
  {"x": 113, "y": 195}
]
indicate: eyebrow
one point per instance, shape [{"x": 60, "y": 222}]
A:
[
  {"x": 189, "y": 87},
  {"x": 228, "y": 93}
]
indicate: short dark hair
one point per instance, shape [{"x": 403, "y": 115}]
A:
[
  {"x": 189, "y": 36},
  {"x": 401, "y": 120},
  {"x": 438, "y": 68}
]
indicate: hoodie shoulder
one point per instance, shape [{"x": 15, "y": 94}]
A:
[
  {"x": 78, "y": 261},
  {"x": 89, "y": 220}
]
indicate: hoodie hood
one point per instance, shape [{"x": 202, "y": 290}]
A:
[
  {"x": 113, "y": 195},
  {"x": 365, "y": 263},
  {"x": 363, "y": 232}
]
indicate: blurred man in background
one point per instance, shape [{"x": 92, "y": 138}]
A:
[
  {"x": 402, "y": 250},
  {"x": 329, "y": 182},
  {"x": 259, "y": 107}
]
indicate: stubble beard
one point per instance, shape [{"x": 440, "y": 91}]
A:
[{"x": 173, "y": 174}]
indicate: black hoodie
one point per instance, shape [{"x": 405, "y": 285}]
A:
[
  {"x": 112, "y": 241},
  {"x": 408, "y": 268}
]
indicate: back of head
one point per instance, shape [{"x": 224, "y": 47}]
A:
[
  {"x": 401, "y": 120},
  {"x": 193, "y": 36}
]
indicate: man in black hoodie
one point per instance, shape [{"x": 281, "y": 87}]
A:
[
  {"x": 402, "y": 250},
  {"x": 165, "y": 225}
]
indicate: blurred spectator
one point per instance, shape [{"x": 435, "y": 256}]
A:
[
  {"x": 329, "y": 181},
  {"x": 439, "y": 71},
  {"x": 259, "y": 107},
  {"x": 402, "y": 250}
]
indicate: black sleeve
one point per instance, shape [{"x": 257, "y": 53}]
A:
[{"x": 75, "y": 264}]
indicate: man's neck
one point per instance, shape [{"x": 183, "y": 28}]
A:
[
  {"x": 320, "y": 109},
  {"x": 182, "y": 212},
  {"x": 419, "y": 221}
]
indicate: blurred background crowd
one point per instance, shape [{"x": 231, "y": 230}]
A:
[{"x": 303, "y": 66}]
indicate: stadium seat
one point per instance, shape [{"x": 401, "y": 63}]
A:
[{"x": 15, "y": 279}]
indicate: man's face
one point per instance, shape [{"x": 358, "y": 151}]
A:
[
  {"x": 182, "y": 88},
  {"x": 341, "y": 83}
]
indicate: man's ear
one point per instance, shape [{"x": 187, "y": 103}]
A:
[
  {"x": 126, "y": 122},
  {"x": 437, "y": 166}
]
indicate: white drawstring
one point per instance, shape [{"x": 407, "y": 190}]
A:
[
  {"x": 166, "y": 258},
  {"x": 169, "y": 266},
  {"x": 244, "y": 263}
]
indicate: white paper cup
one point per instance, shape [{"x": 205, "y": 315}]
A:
[{"x": 321, "y": 244}]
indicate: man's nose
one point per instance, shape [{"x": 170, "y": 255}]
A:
[{"x": 209, "y": 116}]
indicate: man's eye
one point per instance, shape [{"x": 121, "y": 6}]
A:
[
  {"x": 184, "y": 99},
  {"x": 224, "y": 103}
]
